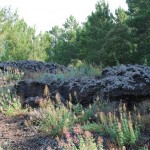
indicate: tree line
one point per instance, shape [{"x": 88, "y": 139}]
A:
[{"x": 104, "y": 39}]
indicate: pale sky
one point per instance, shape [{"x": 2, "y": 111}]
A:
[{"x": 44, "y": 14}]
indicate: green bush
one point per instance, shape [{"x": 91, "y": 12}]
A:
[
  {"x": 11, "y": 74},
  {"x": 11, "y": 105},
  {"x": 120, "y": 129},
  {"x": 73, "y": 72},
  {"x": 52, "y": 119}
]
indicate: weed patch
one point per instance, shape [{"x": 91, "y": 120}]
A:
[{"x": 11, "y": 106}]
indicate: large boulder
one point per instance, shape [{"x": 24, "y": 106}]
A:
[{"x": 130, "y": 83}]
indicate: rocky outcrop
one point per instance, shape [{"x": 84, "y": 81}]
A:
[
  {"x": 33, "y": 66},
  {"x": 130, "y": 83},
  {"x": 126, "y": 81}
]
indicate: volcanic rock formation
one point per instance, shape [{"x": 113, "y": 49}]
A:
[
  {"x": 33, "y": 66},
  {"x": 128, "y": 82}
]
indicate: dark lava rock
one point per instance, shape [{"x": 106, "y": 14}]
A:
[
  {"x": 126, "y": 81},
  {"x": 32, "y": 92},
  {"x": 33, "y": 101},
  {"x": 130, "y": 83},
  {"x": 76, "y": 90},
  {"x": 33, "y": 66}
]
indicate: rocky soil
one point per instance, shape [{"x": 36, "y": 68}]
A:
[{"x": 15, "y": 135}]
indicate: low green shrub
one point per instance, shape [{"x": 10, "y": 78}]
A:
[
  {"x": 83, "y": 71},
  {"x": 93, "y": 127},
  {"x": 73, "y": 72},
  {"x": 11, "y": 106},
  {"x": 120, "y": 129},
  {"x": 11, "y": 74},
  {"x": 52, "y": 119}
]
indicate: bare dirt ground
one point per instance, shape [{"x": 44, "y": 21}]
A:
[{"x": 14, "y": 135}]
